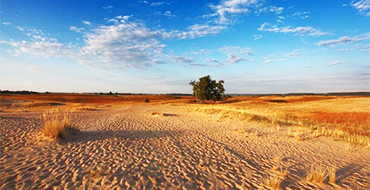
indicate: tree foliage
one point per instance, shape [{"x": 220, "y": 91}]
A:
[{"x": 207, "y": 89}]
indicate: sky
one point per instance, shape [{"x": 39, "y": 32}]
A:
[{"x": 159, "y": 46}]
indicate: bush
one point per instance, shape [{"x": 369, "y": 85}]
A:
[
  {"x": 56, "y": 123},
  {"x": 147, "y": 100}
]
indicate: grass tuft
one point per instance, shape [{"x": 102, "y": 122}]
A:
[
  {"x": 332, "y": 175},
  {"x": 273, "y": 182},
  {"x": 56, "y": 123},
  {"x": 317, "y": 174},
  {"x": 278, "y": 175}
]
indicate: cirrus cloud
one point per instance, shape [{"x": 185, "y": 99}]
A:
[
  {"x": 311, "y": 31},
  {"x": 344, "y": 40},
  {"x": 334, "y": 63},
  {"x": 363, "y": 6}
]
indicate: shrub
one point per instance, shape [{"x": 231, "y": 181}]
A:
[
  {"x": 147, "y": 100},
  {"x": 56, "y": 123}
]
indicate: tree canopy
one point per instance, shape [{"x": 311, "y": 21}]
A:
[{"x": 207, "y": 89}]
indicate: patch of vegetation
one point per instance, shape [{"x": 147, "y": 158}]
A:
[
  {"x": 317, "y": 174},
  {"x": 56, "y": 123},
  {"x": 207, "y": 89}
]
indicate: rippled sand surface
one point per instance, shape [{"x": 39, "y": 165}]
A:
[{"x": 147, "y": 146}]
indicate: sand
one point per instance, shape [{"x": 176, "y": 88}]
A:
[{"x": 155, "y": 146}]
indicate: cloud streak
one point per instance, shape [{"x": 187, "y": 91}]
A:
[
  {"x": 334, "y": 63},
  {"x": 344, "y": 40},
  {"x": 236, "y": 50},
  {"x": 363, "y": 6},
  {"x": 272, "y": 60},
  {"x": 194, "y": 31},
  {"x": 267, "y": 27}
]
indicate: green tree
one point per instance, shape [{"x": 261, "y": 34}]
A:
[{"x": 207, "y": 89}]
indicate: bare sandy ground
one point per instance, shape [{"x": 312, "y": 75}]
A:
[{"x": 148, "y": 146}]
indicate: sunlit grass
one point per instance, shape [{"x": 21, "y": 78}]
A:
[
  {"x": 317, "y": 174},
  {"x": 56, "y": 123}
]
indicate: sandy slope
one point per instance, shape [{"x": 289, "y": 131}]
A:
[{"x": 149, "y": 146}]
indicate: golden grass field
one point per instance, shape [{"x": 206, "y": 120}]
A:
[{"x": 87, "y": 141}]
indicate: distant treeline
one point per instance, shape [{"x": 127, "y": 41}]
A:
[
  {"x": 18, "y": 92},
  {"x": 180, "y": 94},
  {"x": 311, "y": 94}
]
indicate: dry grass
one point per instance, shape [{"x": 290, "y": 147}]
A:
[
  {"x": 273, "y": 182},
  {"x": 332, "y": 175},
  {"x": 297, "y": 132},
  {"x": 278, "y": 175},
  {"x": 91, "y": 98},
  {"x": 343, "y": 135},
  {"x": 342, "y": 118},
  {"x": 56, "y": 123},
  {"x": 351, "y": 122},
  {"x": 317, "y": 174}
]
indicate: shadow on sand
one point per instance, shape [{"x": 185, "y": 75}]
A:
[{"x": 84, "y": 136}]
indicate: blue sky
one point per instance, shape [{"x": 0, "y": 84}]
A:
[{"x": 255, "y": 46}]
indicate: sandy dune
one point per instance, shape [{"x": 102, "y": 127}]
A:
[{"x": 148, "y": 146}]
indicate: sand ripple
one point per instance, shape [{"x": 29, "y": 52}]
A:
[{"x": 175, "y": 148}]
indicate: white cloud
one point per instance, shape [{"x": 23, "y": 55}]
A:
[
  {"x": 75, "y": 29},
  {"x": 302, "y": 15},
  {"x": 202, "y": 52},
  {"x": 362, "y": 48},
  {"x": 169, "y": 14},
  {"x": 39, "y": 44},
  {"x": 7, "y": 23},
  {"x": 20, "y": 28},
  {"x": 118, "y": 44},
  {"x": 267, "y": 27},
  {"x": 344, "y": 40},
  {"x": 257, "y": 37},
  {"x": 236, "y": 50},
  {"x": 182, "y": 59},
  {"x": 236, "y": 3},
  {"x": 108, "y": 7},
  {"x": 267, "y": 61},
  {"x": 334, "y": 63},
  {"x": 231, "y": 7},
  {"x": 235, "y": 53},
  {"x": 124, "y": 44},
  {"x": 194, "y": 31},
  {"x": 235, "y": 59},
  {"x": 273, "y": 9},
  {"x": 86, "y": 22},
  {"x": 126, "y": 17},
  {"x": 363, "y": 6},
  {"x": 295, "y": 53},
  {"x": 119, "y": 19},
  {"x": 158, "y": 3},
  {"x": 213, "y": 61},
  {"x": 47, "y": 48},
  {"x": 272, "y": 60},
  {"x": 342, "y": 50},
  {"x": 317, "y": 32}
]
